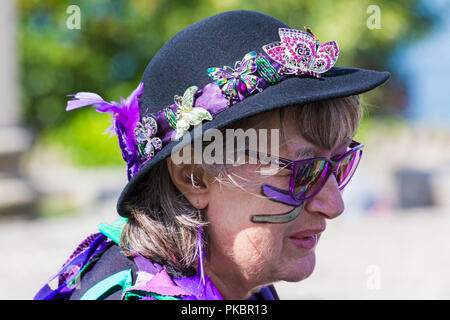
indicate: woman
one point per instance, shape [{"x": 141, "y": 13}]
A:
[{"x": 224, "y": 229}]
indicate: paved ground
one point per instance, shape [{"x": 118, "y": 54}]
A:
[
  {"x": 397, "y": 255},
  {"x": 33, "y": 250}
]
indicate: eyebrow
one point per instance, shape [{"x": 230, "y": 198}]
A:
[
  {"x": 305, "y": 152},
  {"x": 309, "y": 152},
  {"x": 347, "y": 141}
]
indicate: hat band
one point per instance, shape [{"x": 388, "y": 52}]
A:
[
  {"x": 215, "y": 98},
  {"x": 298, "y": 53}
]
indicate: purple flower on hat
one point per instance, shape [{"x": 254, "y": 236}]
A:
[
  {"x": 300, "y": 53},
  {"x": 126, "y": 115}
]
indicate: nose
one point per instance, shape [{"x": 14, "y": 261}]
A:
[{"x": 328, "y": 201}]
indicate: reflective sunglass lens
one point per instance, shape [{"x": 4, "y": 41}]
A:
[
  {"x": 347, "y": 168},
  {"x": 306, "y": 177}
]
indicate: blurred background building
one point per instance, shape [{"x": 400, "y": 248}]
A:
[{"x": 60, "y": 176}]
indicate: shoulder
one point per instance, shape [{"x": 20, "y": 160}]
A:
[{"x": 106, "y": 275}]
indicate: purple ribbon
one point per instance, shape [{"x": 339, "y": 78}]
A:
[
  {"x": 212, "y": 99},
  {"x": 127, "y": 114}
]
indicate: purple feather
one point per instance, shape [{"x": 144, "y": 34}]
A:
[
  {"x": 199, "y": 250},
  {"x": 125, "y": 114},
  {"x": 82, "y": 99}
]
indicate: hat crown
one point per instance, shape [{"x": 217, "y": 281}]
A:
[{"x": 216, "y": 41}]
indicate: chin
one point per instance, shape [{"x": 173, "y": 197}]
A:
[{"x": 299, "y": 269}]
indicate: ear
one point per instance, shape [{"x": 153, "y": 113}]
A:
[{"x": 192, "y": 181}]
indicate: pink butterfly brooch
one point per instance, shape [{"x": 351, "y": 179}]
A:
[{"x": 300, "y": 52}]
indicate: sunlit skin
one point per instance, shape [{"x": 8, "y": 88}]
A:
[{"x": 242, "y": 255}]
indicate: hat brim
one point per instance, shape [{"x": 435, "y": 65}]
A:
[{"x": 336, "y": 83}]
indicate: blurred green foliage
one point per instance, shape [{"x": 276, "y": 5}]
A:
[
  {"x": 118, "y": 38},
  {"x": 82, "y": 139}
]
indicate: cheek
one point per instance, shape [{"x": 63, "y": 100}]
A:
[
  {"x": 233, "y": 204},
  {"x": 250, "y": 247},
  {"x": 255, "y": 248}
]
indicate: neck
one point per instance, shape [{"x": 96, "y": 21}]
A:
[{"x": 231, "y": 285}]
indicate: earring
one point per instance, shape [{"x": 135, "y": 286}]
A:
[{"x": 200, "y": 252}]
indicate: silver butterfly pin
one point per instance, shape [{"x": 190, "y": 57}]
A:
[{"x": 145, "y": 132}]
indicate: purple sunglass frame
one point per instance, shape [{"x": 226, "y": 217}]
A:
[{"x": 333, "y": 164}]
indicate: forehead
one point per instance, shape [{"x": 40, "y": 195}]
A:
[
  {"x": 324, "y": 128},
  {"x": 300, "y": 150},
  {"x": 298, "y": 146},
  {"x": 306, "y": 131}
]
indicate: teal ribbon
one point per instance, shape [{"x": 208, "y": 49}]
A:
[
  {"x": 113, "y": 230},
  {"x": 97, "y": 292}
]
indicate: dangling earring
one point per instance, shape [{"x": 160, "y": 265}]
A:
[{"x": 200, "y": 252}]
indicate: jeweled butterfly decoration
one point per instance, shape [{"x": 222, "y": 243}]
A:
[
  {"x": 299, "y": 52},
  {"x": 186, "y": 115},
  {"x": 147, "y": 143},
  {"x": 241, "y": 78}
]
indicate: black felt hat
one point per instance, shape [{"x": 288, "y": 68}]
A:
[{"x": 222, "y": 40}]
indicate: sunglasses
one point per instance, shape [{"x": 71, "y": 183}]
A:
[{"x": 308, "y": 176}]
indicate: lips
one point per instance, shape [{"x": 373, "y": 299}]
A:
[{"x": 306, "y": 239}]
